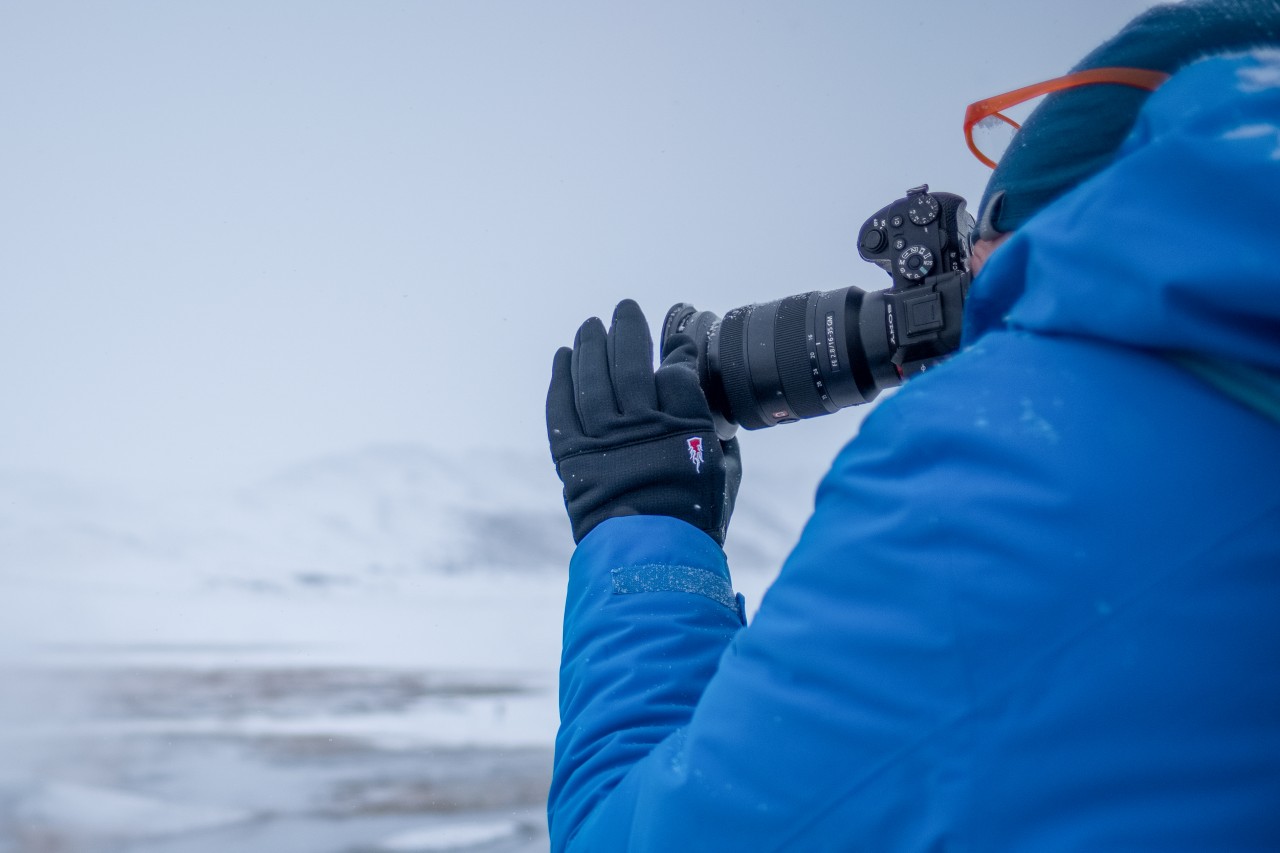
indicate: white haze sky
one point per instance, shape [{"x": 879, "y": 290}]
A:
[{"x": 238, "y": 234}]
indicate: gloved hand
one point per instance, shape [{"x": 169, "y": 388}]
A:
[{"x": 628, "y": 440}]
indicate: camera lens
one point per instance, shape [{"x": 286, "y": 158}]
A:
[{"x": 798, "y": 357}]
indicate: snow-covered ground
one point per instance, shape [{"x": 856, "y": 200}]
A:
[
  {"x": 358, "y": 654},
  {"x": 414, "y": 715}
]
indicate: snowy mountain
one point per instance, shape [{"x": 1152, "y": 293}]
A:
[
  {"x": 366, "y": 516},
  {"x": 406, "y": 508}
]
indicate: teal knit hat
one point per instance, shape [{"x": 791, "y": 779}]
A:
[{"x": 1074, "y": 133}]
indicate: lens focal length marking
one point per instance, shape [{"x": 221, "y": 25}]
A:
[
  {"x": 831, "y": 356},
  {"x": 796, "y": 345},
  {"x": 833, "y": 352}
]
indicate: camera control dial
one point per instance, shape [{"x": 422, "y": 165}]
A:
[
  {"x": 873, "y": 240},
  {"x": 915, "y": 263},
  {"x": 924, "y": 209}
]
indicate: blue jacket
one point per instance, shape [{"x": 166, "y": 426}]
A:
[{"x": 1037, "y": 606}]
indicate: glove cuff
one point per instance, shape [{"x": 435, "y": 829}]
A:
[{"x": 682, "y": 476}]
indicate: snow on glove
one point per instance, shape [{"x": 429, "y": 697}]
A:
[{"x": 629, "y": 440}]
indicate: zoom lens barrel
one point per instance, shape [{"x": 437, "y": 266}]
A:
[{"x": 802, "y": 356}]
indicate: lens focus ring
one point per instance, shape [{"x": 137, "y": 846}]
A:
[{"x": 735, "y": 371}]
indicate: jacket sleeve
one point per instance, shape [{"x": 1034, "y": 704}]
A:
[{"x": 650, "y": 610}]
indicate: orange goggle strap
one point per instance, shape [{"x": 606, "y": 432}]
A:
[{"x": 1139, "y": 78}]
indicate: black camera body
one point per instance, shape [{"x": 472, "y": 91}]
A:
[
  {"x": 815, "y": 353},
  {"x": 922, "y": 241}
]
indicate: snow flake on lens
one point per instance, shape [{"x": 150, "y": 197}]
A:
[{"x": 695, "y": 453}]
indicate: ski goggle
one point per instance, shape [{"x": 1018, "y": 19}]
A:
[{"x": 988, "y": 130}]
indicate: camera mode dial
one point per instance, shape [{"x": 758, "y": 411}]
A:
[{"x": 915, "y": 263}]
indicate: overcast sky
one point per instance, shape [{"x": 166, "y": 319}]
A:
[{"x": 234, "y": 235}]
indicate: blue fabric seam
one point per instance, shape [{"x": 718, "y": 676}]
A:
[{"x": 665, "y": 577}]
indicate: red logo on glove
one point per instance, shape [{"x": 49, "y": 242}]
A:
[{"x": 695, "y": 453}]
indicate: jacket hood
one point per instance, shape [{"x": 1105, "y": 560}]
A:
[
  {"x": 1175, "y": 246},
  {"x": 1074, "y": 133}
]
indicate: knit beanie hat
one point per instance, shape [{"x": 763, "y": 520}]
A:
[{"x": 1074, "y": 133}]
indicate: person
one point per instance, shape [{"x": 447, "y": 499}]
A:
[{"x": 1037, "y": 606}]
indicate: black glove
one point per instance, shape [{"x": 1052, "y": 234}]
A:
[{"x": 631, "y": 441}]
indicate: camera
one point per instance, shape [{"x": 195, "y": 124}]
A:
[{"x": 815, "y": 353}]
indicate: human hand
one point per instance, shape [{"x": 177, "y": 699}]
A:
[{"x": 629, "y": 440}]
